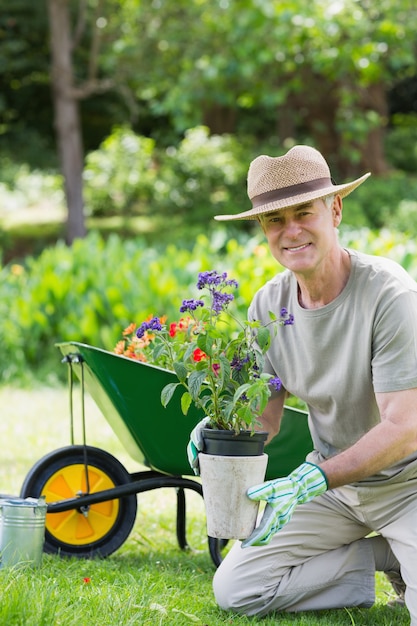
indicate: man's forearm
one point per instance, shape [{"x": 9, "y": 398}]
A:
[{"x": 383, "y": 446}]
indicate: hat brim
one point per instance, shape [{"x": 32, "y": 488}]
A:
[{"x": 284, "y": 203}]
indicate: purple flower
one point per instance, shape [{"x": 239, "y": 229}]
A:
[
  {"x": 190, "y": 305},
  {"x": 153, "y": 324},
  {"x": 237, "y": 363},
  {"x": 212, "y": 279},
  {"x": 275, "y": 383},
  {"x": 205, "y": 279},
  {"x": 287, "y": 319},
  {"x": 220, "y": 301}
]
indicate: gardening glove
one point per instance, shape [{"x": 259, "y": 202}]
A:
[
  {"x": 195, "y": 445},
  {"x": 282, "y": 496}
]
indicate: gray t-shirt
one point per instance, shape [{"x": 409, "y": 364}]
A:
[{"x": 336, "y": 357}]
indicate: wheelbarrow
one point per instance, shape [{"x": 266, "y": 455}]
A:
[{"x": 91, "y": 498}]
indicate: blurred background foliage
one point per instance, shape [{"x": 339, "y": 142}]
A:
[
  {"x": 177, "y": 99},
  {"x": 93, "y": 290}
]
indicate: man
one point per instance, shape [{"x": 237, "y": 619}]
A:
[{"x": 351, "y": 356}]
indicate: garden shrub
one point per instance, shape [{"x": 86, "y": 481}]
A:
[
  {"x": 375, "y": 203},
  {"x": 91, "y": 291},
  {"x": 191, "y": 182},
  {"x": 203, "y": 176},
  {"x": 120, "y": 175},
  {"x": 401, "y": 142}
]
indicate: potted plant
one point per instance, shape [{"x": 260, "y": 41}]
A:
[{"x": 218, "y": 360}]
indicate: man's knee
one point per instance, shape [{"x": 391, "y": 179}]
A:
[{"x": 231, "y": 596}]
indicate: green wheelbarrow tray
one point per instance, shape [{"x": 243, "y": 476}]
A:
[{"x": 128, "y": 393}]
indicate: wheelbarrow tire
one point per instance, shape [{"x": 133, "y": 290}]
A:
[{"x": 99, "y": 530}]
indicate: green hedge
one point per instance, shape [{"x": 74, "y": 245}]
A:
[
  {"x": 90, "y": 292},
  {"x": 192, "y": 181}
]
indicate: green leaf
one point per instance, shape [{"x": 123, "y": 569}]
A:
[
  {"x": 195, "y": 381},
  {"x": 158, "y": 351},
  {"x": 190, "y": 349},
  {"x": 241, "y": 390},
  {"x": 263, "y": 338},
  {"x": 167, "y": 393},
  {"x": 186, "y": 400},
  {"x": 180, "y": 370},
  {"x": 225, "y": 372},
  {"x": 205, "y": 343},
  {"x": 245, "y": 414}
]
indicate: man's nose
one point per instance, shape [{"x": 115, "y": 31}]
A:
[{"x": 292, "y": 227}]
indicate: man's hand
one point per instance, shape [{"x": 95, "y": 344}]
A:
[
  {"x": 195, "y": 445},
  {"x": 282, "y": 496}
]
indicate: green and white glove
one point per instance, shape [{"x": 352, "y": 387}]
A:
[
  {"x": 195, "y": 445},
  {"x": 282, "y": 496}
]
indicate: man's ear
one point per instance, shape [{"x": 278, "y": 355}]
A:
[{"x": 337, "y": 210}]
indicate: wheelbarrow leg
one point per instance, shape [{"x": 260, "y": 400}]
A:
[
  {"x": 181, "y": 519},
  {"x": 215, "y": 545}
]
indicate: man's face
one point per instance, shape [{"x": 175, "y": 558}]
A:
[{"x": 301, "y": 237}]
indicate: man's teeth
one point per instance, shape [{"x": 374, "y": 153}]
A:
[{"x": 298, "y": 247}]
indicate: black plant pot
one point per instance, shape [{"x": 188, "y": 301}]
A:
[{"x": 228, "y": 443}]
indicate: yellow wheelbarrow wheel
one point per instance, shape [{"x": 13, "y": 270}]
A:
[{"x": 96, "y": 530}]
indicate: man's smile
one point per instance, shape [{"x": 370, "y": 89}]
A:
[{"x": 297, "y": 248}]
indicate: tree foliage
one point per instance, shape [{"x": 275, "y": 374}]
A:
[
  {"x": 322, "y": 69},
  {"x": 197, "y": 61},
  {"x": 282, "y": 71}
]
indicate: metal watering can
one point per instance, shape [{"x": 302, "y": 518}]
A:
[{"x": 22, "y": 531}]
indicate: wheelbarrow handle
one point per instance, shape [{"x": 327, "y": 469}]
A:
[{"x": 136, "y": 486}]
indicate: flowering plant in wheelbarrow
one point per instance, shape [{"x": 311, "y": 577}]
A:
[{"x": 220, "y": 370}]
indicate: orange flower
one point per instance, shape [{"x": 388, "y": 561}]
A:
[
  {"x": 130, "y": 329},
  {"x": 120, "y": 347},
  {"x": 199, "y": 355}
]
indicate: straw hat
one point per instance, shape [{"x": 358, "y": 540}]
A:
[{"x": 301, "y": 175}]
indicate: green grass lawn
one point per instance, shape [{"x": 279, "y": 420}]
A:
[{"x": 149, "y": 580}]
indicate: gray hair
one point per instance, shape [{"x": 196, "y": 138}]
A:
[{"x": 328, "y": 201}]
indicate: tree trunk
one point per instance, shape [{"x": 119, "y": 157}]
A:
[
  {"x": 374, "y": 98},
  {"x": 219, "y": 118},
  {"x": 67, "y": 117}
]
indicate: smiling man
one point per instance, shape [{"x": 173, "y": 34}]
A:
[{"x": 351, "y": 508}]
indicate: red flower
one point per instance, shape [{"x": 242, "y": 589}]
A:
[
  {"x": 199, "y": 355},
  {"x": 87, "y": 579},
  {"x": 173, "y": 329}
]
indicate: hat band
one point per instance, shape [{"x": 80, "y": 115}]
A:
[{"x": 290, "y": 191}]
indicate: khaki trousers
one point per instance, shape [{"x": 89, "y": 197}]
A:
[{"x": 321, "y": 559}]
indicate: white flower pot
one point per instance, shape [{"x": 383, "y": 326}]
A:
[{"x": 226, "y": 479}]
